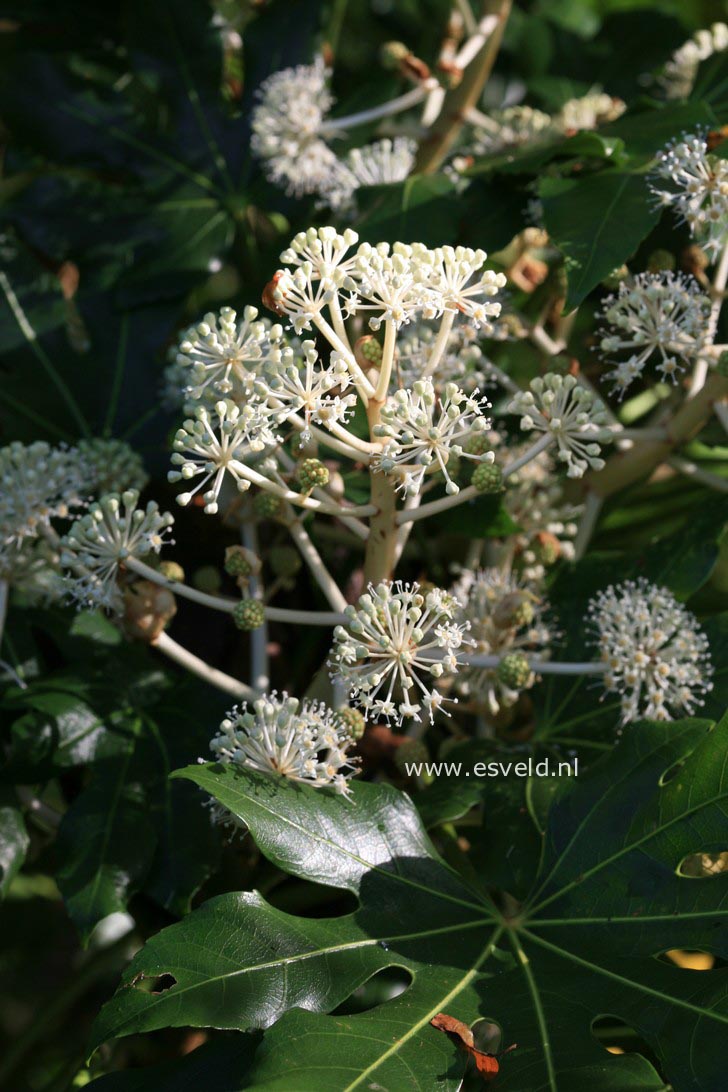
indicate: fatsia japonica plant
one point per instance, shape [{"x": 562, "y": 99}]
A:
[{"x": 363, "y": 569}]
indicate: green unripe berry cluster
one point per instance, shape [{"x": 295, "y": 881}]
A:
[
  {"x": 267, "y": 506},
  {"x": 249, "y": 614},
  {"x": 352, "y": 720},
  {"x": 312, "y": 474},
  {"x": 514, "y": 671},
  {"x": 488, "y": 478},
  {"x": 237, "y": 562},
  {"x": 371, "y": 350}
]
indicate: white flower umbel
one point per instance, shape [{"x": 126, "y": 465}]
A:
[
  {"x": 394, "y": 284},
  {"x": 302, "y": 741},
  {"x": 224, "y": 356},
  {"x": 657, "y": 657},
  {"x": 218, "y": 442},
  {"x": 113, "y": 466},
  {"x": 306, "y": 385},
  {"x": 287, "y": 124},
  {"x": 323, "y": 266},
  {"x": 504, "y": 615},
  {"x": 323, "y": 253},
  {"x": 382, "y": 163},
  {"x": 421, "y": 432},
  {"x": 462, "y": 361},
  {"x": 660, "y": 316},
  {"x": 100, "y": 541},
  {"x": 37, "y": 484},
  {"x": 455, "y": 279},
  {"x": 589, "y": 111},
  {"x": 568, "y": 416},
  {"x": 398, "y": 642},
  {"x": 679, "y": 73},
  {"x": 692, "y": 181},
  {"x": 514, "y": 127}
]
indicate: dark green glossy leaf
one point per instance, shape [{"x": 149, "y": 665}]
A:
[{"x": 606, "y": 901}]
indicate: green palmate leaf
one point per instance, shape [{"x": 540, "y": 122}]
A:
[
  {"x": 14, "y": 840},
  {"x": 597, "y": 222},
  {"x": 422, "y": 208},
  {"x": 608, "y": 899},
  {"x": 105, "y": 842}
]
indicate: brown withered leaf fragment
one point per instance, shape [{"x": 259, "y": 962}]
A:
[{"x": 487, "y": 1064}]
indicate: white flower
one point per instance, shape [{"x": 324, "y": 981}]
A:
[
  {"x": 224, "y": 357},
  {"x": 323, "y": 253},
  {"x": 504, "y": 614},
  {"x": 679, "y": 74},
  {"x": 322, "y": 268},
  {"x": 657, "y": 658},
  {"x": 512, "y": 128},
  {"x": 556, "y": 406},
  {"x": 453, "y": 278},
  {"x": 421, "y": 432},
  {"x": 462, "y": 362},
  {"x": 661, "y": 314},
  {"x": 589, "y": 111},
  {"x": 382, "y": 163},
  {"x": 394, "y": 283},
  {"x": 287, "y": 128},
  {"x": 305, "y": 742},
  {"x": 220, "y": 442},
  {"x": 101, "y": 540},
  {"x": 112, "y": 465},
  {"x": 38, "y": 483},
  {"x": 397, "y": 640},
  {"x": 307, "y": 386},
  {"x": 697, "y": 188}
]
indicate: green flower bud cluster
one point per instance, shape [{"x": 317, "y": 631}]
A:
[
  {"x": 249, "y": 614},
  {"x": 312, "y": 474},
  {"x": 514, "y": 671},
  {"x": 488, "y": 478}
]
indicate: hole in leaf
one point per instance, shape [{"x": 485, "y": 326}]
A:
[
  {"x": 488, "y": 1036},
  {"x": 616, "y": 1036},
  {"x": 700, "y": 866},
  {"x": 383, "y": 986},
  {"x": 153, "y": 983},
  {"x": 671, "y": 772},
  {"x": 688, "y": 960}
]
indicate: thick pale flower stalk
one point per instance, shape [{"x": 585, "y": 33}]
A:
[{"x": 381, "y": 551}]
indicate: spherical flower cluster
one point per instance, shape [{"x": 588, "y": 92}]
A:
[
  {"x": 694, "y": 183},
  {"x": 421, "y": 432},
  {"x": 223, "y": 357},
  {"x": 37, "y": 484},
  {"x": 589, "y": 111},
  {"x": 395, "y": 284},
  {"x": 678, "y": 76},
  {"x": 569, "y": 416},
  {"x": 219, "y": 442},
  {"x": 101, "y": 540},
  {"x": 504, "y": 615},
  {"x": 656, "y": 656},
  {"x": 302, "y": 741},
  {"x": 287, "y": 126},
  {"x": 462, "y": 361},
  {"x": 510, "y": 128},
  {"x": 306, "y": 384},
  {"x": 33, "y": 568},
  {"x": 655, "y": 314},
  {"x": 113, "y": 466},
  {"x": 398, "y": 638},
  {"x": 382, "y": 163}
]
